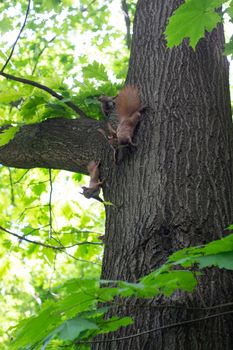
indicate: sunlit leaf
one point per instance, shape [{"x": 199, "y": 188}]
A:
[
  {"x": 8, "y": 134},
  {"x": 71, "y": 329},
  {"x": 95, "y": 70},
  {"x": 191, "y": 20},
  {"x": 229, "y": 47}
]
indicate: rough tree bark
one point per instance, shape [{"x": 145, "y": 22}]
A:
[{"x": 175, "y": 191}]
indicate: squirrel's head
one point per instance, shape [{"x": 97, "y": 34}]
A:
[{"x": 90, "y": 192}]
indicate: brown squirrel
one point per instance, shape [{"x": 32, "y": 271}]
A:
[
  {"x": 93, "y": 190},
  {"x": 128, "y": 109},
  {"x": 107, "y": 105}
]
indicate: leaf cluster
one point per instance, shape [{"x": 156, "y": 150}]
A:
[
  {"x": 48, "y": 52},
  {"x": 193, "y": 18},
  {"x": 75, "y": 314}
]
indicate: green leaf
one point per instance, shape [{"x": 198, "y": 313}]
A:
[
  {"x": 31, "y": 107},
  {"x": 8, "y": 134},
  {"x": 228, "y": 50},
  {"x": 49, "y": 4},
  {"x": 39, "y": 188},
  {"x": 95, "y": 70},
  {"x": 213, "y": 253},
  {"x": 222, "y": 260},
  {"x": 108, "y": 203},
  {"x": 10, "y": 96},
  {"x": 35, "y": 330},
  {"x": 4, "y": 267},
  {"x": 114, "y": 323},
  {"x": 5, "y": 24},
  {"x": 106, "y": 294},
  {"x": 169, "y": 281},
  {"x": 71, "y": 329},
  {"x": 229, "y": 11},
  {"x": 77, "y": 177},
  {"x": 160, "y": 282},
  {"x": 191, "y": 20}
]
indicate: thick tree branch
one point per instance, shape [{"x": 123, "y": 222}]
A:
[
  {"x": 47, "y": 89},
  {"x": 59, "y": 143}
]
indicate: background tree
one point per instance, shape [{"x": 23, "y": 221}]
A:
[{"x": 174, "y": 191}]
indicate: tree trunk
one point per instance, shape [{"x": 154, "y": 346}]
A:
[{"x": 175, "y": 191}]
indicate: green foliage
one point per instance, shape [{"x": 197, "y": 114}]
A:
[
  {"x": 5, "y": 24},
  {"x": 229, "y": 47},
  {"x": 95, "y": 71},
  {"x": 28, "y": 271},
  {"x": 90, "y": 91},
  {"x": 8, "y": 134},
  {"x": 69, "y": 316},
  {"x": 47, "y": 54},
  {"x": 216, "y": 253},
  {"x": 74, "y": 315},
  {"x": 191, "y": 20},
  {"x": 71, "y": 329}
]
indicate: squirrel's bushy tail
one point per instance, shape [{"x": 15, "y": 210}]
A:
[{"x": 128, "y": 101}]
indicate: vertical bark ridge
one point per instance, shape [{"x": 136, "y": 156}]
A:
[{"x": 175, "y": 190}]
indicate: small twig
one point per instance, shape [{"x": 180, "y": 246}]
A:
[
  {"x": 47, "y": 89},
  {"x": 37, "y": 182},
  {"x": 73, "y": 257},
  {"x": 81, "y": 260},
  {"x": 50, "y": 205},
  {"x": 86, "y": 8},
  {"x": 12, "y": 187},
  {"x": 169, "y": 306},
  {"x": 125, "y": 10},
  {"x": 22, "y": 238},
  {"x": 82, "y": 243},
  {"x": 85, "y": 231},
  {"x": 61, "y": 247},
  {"x": 34, "y": 230},
  {"x": 176, "y": 324},
  {"x": 41, "y": 53},
  {"x": 29, "y": 208},
  {"x": 21, "y": 177},
  {"x": 20, "y": 32}
]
